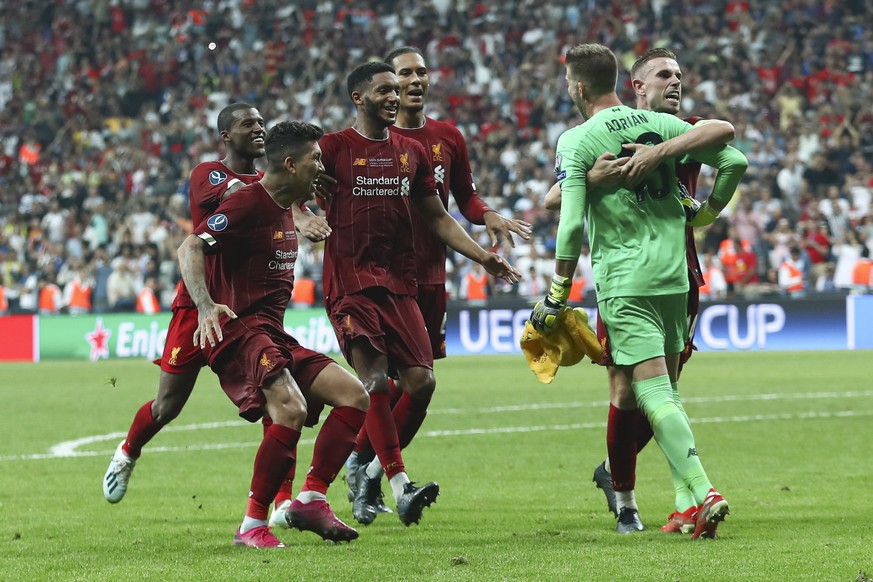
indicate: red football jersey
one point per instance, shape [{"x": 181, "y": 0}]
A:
[
  {"x": 255, "y": 247},
  {"x": 370, "y": 213},
  {"x": 687, "y": 173},
  {"x": 208, "y": 183},
  {"x": 447, "y": 152}
]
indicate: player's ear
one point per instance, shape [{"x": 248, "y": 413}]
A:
[
  {"x": 639, "y": 86},
  {"x": 357, "y": 98},
  {"x": 290, "y": 164}
]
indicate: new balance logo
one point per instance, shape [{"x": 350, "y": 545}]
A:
[
  {"x": 439, "y": 174},
  {"x": 692, "y": 452}
]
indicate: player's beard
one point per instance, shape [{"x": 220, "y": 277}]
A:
[{"x": 377, "y": 112}]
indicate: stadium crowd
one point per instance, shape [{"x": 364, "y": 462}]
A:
[{"x": 106, "y": 105}]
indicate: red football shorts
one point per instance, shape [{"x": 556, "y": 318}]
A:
[
  {"x": 180, "y": 354},
  {"x": 431, "y": 301},
  {"x": 391, "y": 323},
  {"x": 255, "y": 358}
]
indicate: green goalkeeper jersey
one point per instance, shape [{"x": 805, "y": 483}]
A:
[{"x": 637, "y": 237}]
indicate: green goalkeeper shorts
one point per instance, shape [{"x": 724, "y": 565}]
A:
[{"x": 642, "y": 328}]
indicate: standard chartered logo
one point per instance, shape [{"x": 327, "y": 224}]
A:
[
  {"x": 378, "y": 186},
  {"x": 439, "y": 174},
  {"x": 404, "y": 187}
]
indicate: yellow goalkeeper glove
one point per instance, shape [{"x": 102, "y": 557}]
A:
[{"x": 545, "y": 313}]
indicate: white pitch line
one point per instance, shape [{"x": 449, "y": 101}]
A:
[{"x": 66, "y": 450}]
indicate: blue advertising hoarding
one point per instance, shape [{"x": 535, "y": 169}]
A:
[{"x": 812, "y": 324}]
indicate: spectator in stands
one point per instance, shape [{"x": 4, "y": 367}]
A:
[
  {"x": 715, "y": 284},
  {"x": 122, "y": 287},
  {"x": 846, "y": 254},
  {"x": 791, "y": 279}
]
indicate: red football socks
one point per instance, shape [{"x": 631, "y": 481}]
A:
[
  {"x": 621, "y": 444},
  {"x": 142, "y": 429},
  {"x": 383, "y": 433},
  {"x": 273, "y": 460},
  {"x": 334, "y": 444},
  {"x": 409, "y": 414}
]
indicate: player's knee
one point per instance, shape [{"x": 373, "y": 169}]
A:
[
  {"x": 420, "y": 383},
  {"x": 621, "y": 392},
  {"x": 351, "y": 392},
  {"x": 165, "y": 410},
  {"x": 285, "y": 403},
  {"x": 290, "y": 413},
  {"x": 375, "y": 383}
]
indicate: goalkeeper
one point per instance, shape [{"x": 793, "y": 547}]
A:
[{"x": 637, "y": 237}]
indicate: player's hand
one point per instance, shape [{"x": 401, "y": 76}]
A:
[
  {"x": 312, "y": 226},
  {"x": 703, "y": 215},
  {"x": 689, "y": 204},
  {"x": 209, "y": 324},
  {"x": 497, "y": 266},
  {"x": 606, "y": 171},
  {"x": 545, "y": 314},
  {"x": 643, "y": 160},
  {"x": 499, "y": 227},
  {"x": 322, "y": 187}
]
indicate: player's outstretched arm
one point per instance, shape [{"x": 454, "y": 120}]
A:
[
  {"x": 705, "y": 134},
  {"x": 193, "y": 267},
  {"x": 451, "y": 233},
  {"x": 605, "y": 172}
]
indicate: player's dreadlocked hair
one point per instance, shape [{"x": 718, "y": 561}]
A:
[
  {"x": 364, "y": 74},
  {"x": 225, "y": 117},
  {"x": 289, "y": 138},
  {"x": 655, "y": 53}
]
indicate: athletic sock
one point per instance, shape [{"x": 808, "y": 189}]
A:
[
  {"x": 395, "y": 390},
  {"x": 672, "y": 433},
  {"x": 285, "y": 489},
  {"x": 409, "y": 413},
  {"x": 684, "y": 497},
  {"x": 249, "y": 523},
  {"x": 374, "y": 469},
  {"x": 142, "y": 429},
  {"x": 383, "y": 433},
  {"x": 621, "y": 446},
  {"x": 644, "y": 430},
  {"x": 310, "y": 496},
  {"x": 334, "y": 444},
  {"x": 398, "y": 482},
  {"x": 272, "y": 462},
  {"x": 625, "y": 499}
]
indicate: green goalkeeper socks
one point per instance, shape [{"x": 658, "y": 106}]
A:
[
  {"x": 684, "y": 497},
  {"x": 672, "y": 433}
]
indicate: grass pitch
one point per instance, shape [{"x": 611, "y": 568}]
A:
[{"x": 786, "y": 437}]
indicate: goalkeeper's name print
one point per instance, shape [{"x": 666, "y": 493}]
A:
[{"x": 620, "y": 123}]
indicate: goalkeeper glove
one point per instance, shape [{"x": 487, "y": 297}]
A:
[
  {"x": 545, "y": 313},
  {"x": 696, "y": 214}
]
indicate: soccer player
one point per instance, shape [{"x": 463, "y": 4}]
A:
[
  {"x": 447, "y": 152},
  {"x": 242, "y": 130},
  {"x": 261, "y": 368},
  {"x": 656, "y": 78},
  {"x": 637, "y": 234},
  {"x": 370, "y": 277}
]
